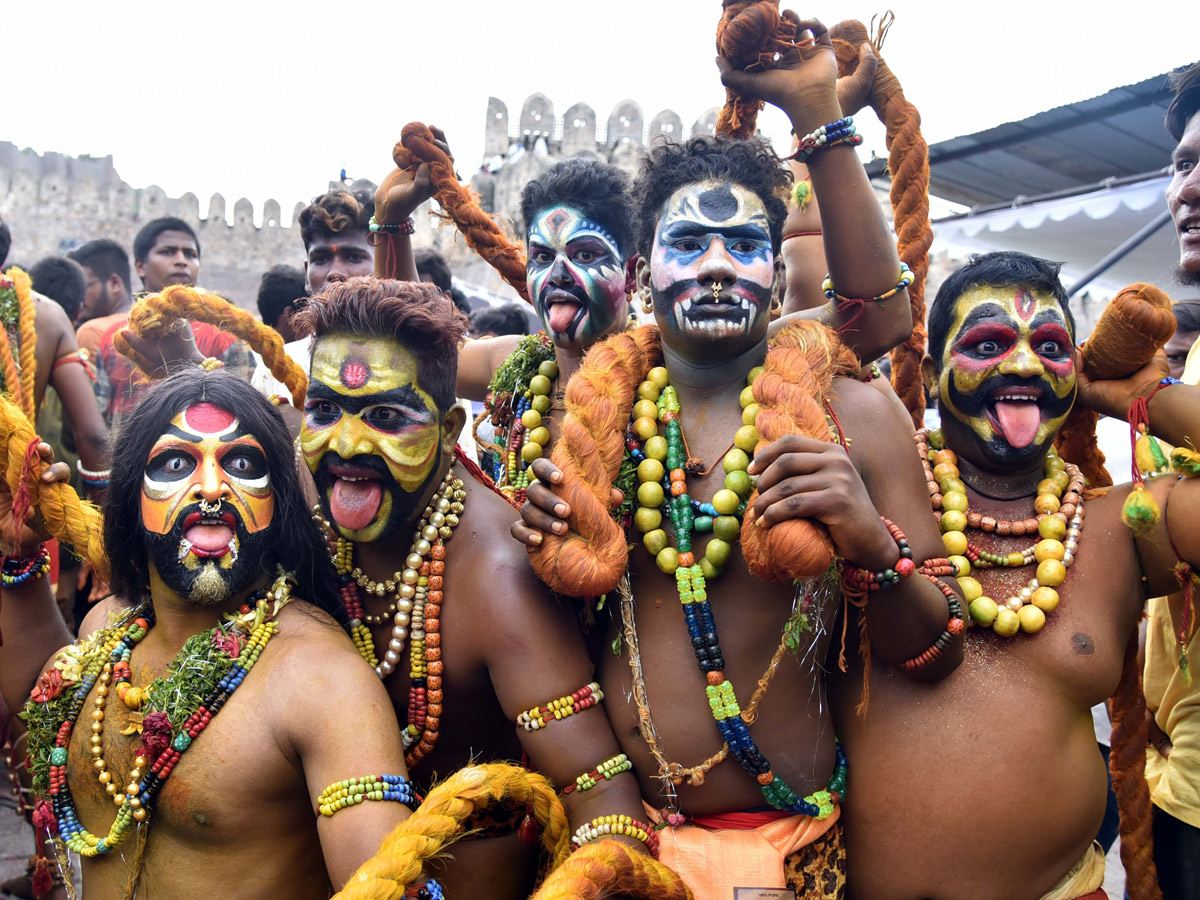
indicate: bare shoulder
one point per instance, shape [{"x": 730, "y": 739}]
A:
[
  {"x": 50, "y": 318},
  {"x": 860, "y": 407},
  {"x": 312, "y": 648},
  {"x": 105, "y": 613}
]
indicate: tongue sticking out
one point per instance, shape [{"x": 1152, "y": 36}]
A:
[
  {"x": 355, "y": 503},
  {"x": 561, "y": 315},
  {"x": 1019, "y": 421},
  {"x": 209, "y": 537}
]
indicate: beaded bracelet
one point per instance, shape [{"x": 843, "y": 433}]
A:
[
  {"x": 353, "y": 791},
  {"x": 612, "y": 766},
  {"x": 16, "y": 572},
  {"x": 405, "y": 227},
  {"x": 840, "y": 132},
  {"x": 93, "y": 480},
  {"x": 955, "y": 626},
  {"x": 533, "y": 719},
  {"x": 906, "y": 278},
  {"x": 430, "y": 890},
  {"x": 603, "y": 826},
  {"x": 211, "y": 364},
  {"x": 866, "y": 580}
]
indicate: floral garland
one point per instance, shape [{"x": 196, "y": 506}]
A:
[{"x": 507, "y": 402}]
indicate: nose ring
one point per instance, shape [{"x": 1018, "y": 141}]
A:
[{"x": 206, "y": 507}]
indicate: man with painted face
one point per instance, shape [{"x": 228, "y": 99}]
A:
[
  {"x": 197, "y": 776},
  {"x": 999, "y": 763},
  {"x": 439, "y": 600},
  {"x": 709, "y": 228}
]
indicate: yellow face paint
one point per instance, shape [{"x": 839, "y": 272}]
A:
[
  {"x": 1007, "y": 369},
  {"x": 369, "y": 431},
  {"x": 212, "y": 471}
]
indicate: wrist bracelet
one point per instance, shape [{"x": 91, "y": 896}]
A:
[
  {"x": 840, "y": 132},
  {"x": 430, "y": 890},
  {"x": 15, "y": 571},
  {"x": 955, "y": 626},
  {"x": 865, "y": 580},
  {"x": 906, "y": 278},
  {"x": 405, "y": 227},
  {"x": 604, "y": 826}
]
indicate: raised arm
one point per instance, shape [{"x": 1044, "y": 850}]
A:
[
  {"x": 396, "y": 199},
  {"x": 340, "y": 722},
  {"x": 861, "y": 258}
]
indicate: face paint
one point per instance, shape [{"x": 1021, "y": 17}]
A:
[
  {"x": 1008, "y": 370},
  {"x": 206, "y": 504},
  {"x": 371, "y": 436},
  {"x": 712, "y": 266},
  {"x": 575, "y": 276}
]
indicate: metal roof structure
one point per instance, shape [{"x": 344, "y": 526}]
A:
[{"x": 1070, "y": 149}]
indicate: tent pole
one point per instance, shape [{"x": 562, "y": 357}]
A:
[{"x": 1129, "y": 245}]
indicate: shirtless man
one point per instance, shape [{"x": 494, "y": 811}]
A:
[
  {"x": 379, "y": 437},
  {"x": 999, "y": 762},
  {"x": 709, "y": 227},
  {"x": 205, "y": 506}
]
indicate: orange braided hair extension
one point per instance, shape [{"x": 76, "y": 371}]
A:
[
  {"x": 612, "y": 869},
  {"x": 590, "y": 558},
  {"x": 482, "y": 233},
  {"x": 157, "y": 315},
  {"x": 749, "y": 35},
  {"x": 908, "y": 163},
  {"x": 66, "y": 516},
  {"x": 26, "y": 340},
  {"x": 1133, "y": 327},
  {"x": 438, "y": 822},
  {"x": 797, "y": 376},
  {"x": 1127, "y": 762}
]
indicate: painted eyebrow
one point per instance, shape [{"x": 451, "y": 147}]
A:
[
  {"x": 401, "y": 396},
  {"x": 695, "y": 229},
  {"x": 192, "y": 437},
  {"x": 983, "y": 311},
  {"x": 1049, "y": 318}
]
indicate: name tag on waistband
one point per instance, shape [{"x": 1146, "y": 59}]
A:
[{"x": 753, "y": 893}]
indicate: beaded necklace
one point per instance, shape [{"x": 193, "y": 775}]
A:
[
  {"x": 691, "y": 577},
  {"x": 416, "y": 611},
  {"x": 214, "y": 664},
  {"x": 518, "y": 398},
  {"x": 1057, "y": 521}
]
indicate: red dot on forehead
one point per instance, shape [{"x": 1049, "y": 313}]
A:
[
  {"x": 1025, "y": 303},
  {"x": 355, "y": 373},
  {"x": 207, "y": 418}
]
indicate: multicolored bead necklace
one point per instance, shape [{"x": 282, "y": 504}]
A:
[
  {"x": 1057, "y": 521},
  {"x": 691, "y": 577},
  {"x": 222, "y": 656},
  {"x": 416, "y": 611}
]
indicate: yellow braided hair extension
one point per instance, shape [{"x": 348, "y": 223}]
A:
[
  {"x": 438, "y": 822},
  {"x": 611, "y": 868},
  {"x": 26, "y": 340},
  {"x": 12, "y": 374},
  {"x": 66, "y": 516},
  {"x": 157, "y": 315}
]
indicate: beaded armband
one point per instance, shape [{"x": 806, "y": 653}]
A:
[
  {"x": 430, "y": 890},
  {"x": 931, "y": 569},
  {"x": 840, "y": 132},
  {"x": 906, "y": 278},
  {"x": 540, "y": 716},
  {"x": 353, "y": 791},
  {"x": 211, "y": 364},
  {"x": 612, "y": 766},
  {"x": 604, "y": 826},
  {"x": 93, "y": 479},
  {"x": 866, "y": 580},
  {"x": 405, "y": 227},
  {"x": 16, "y": 572}
]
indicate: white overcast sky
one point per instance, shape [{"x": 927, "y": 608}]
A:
[{"x": 264, "y": 100}]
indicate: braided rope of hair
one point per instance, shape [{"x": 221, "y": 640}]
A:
[
  {"x": 1127, "y": 762},
  {"x": 749, "y": 35},
  {"x": 66, "y": 516},
  {"x": 611, "y": 868},
  {"x": 590, "y": 558},
  {"x": 12, "y": 374},
  {"x": 26, "y": 340},
  {"x": 158, "y": 314},
  {"x": 482, "y": 233},
  {"x": 439, "y": 821},
  {"x": 797, "y": 376}
]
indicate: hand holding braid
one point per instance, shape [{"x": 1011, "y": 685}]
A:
[
  {"x": 797, "y": 377},
  {"x": 156, "y": 315},
  {"x": 1133, "y": 327},
  {"x": 418, "y": 145},
  {"x": 438, "y": 822},
  {"x": 590, "y": 558},
  {"x": 611, "y": 868},
  {"x": 749, "y": 35},
  {"x": 65, "y": 516}
]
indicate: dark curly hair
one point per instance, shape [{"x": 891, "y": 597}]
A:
[
  {"x": 335, "y": 213},
  {"x": 750, "y": 163},
  {"x": 1186, "y": 102},
  {"x": 1000, "y": 269},
  {"x": 297, "y": 544},
  {"x": 417, "y": 314},
  {"x": 596, "y": 189}
]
